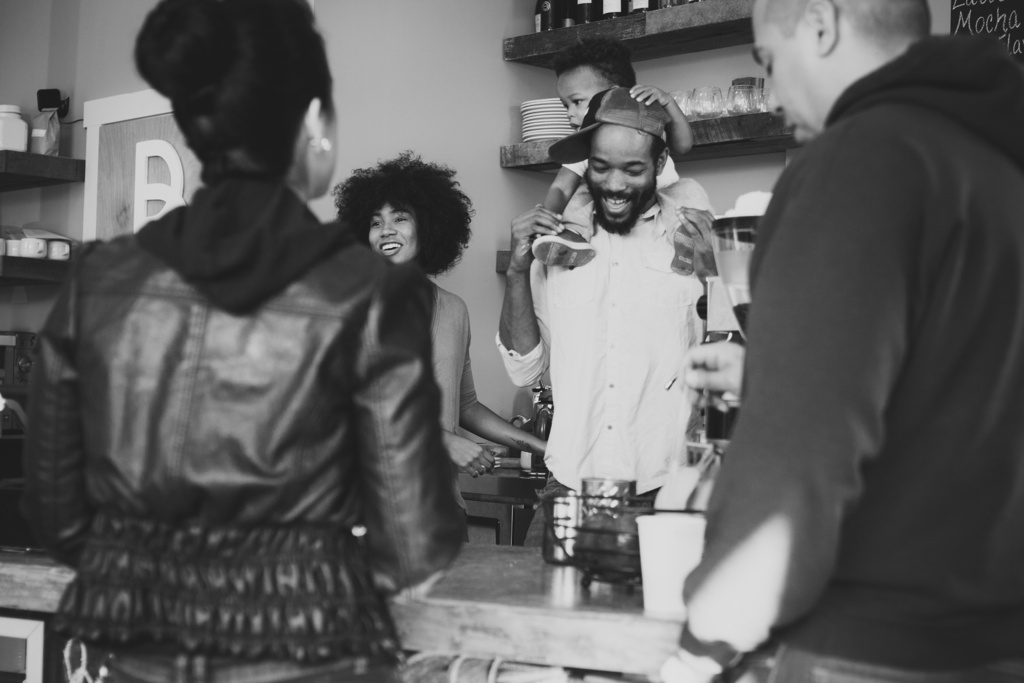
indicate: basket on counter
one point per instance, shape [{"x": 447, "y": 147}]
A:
[{"x": 598, "y": 535}]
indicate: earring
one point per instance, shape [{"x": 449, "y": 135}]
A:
[{"x": 321, "y": 145}]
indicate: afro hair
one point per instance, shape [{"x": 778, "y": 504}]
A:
[{"x": 429, "y": 191}]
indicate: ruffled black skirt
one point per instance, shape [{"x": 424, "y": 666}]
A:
[{"x": 298, "y": 593}]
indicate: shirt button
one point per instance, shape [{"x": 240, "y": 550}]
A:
[
  {"x": 611, "y": 386},
  {"x": 609, "y": 426}
]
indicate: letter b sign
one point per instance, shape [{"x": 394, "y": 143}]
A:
[{"x": 171, "y": 194}]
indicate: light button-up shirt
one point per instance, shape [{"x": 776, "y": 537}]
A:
[{"x": 613, "y": 332}]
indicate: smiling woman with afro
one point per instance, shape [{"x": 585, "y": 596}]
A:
[
  {"x": 427, "y": 191},
  {"x": 408, "y": 210}
]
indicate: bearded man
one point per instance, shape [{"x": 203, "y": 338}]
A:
[{"x": 612, "y": 332}]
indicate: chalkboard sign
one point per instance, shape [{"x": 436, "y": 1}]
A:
[{"x": 1001, "y": 19}]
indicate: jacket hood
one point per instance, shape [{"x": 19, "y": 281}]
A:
[
  {"x": 971, "y": 80},
  {"x": 242, "y": 241}
]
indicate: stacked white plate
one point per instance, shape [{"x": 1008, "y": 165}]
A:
[{"x": 544, "y": 119}]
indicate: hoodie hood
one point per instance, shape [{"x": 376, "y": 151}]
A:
[
  {"x": 242, "y": 241},
  {"x": 971, "y": 80}
]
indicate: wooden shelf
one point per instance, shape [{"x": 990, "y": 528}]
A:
[
  {"x": 713, "y": 139},
  {"x": 22, "y": 170},
  {"x": 15, "y": 270},
  {"x": 671, "y": 31}
]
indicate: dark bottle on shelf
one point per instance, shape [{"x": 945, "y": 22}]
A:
[
  {"x": 545, "y": 16},
  {"x": 567, "y": 13},
  {"x": 611, "y": 9},
  {"x": 584, "y": 11}
]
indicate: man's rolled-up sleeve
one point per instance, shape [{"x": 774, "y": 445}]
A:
[{"x": 525, "y": 369}]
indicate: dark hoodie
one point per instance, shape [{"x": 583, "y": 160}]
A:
[
  {"x": 871, "y": 504},
  {"x": 242, "y": 241},
  {"x": 969, "y": 80}
]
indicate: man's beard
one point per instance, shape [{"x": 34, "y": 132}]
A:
[{"x": 619, "y": 225}]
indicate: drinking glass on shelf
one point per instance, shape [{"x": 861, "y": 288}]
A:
[
  {"x": 707, "y": 102},
  {"x": 743, "y": 99},
  {"x": 733, "y": 244},
  {"x": 769, "y": 102},
  {"x": 682, "y": 98}
]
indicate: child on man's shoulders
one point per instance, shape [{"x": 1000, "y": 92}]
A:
[{"x": 584, "y": 70}]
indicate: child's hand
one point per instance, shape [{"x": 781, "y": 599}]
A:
[
  {"x": 645, "y": 94},
  {"x": 679, "y": 135}
]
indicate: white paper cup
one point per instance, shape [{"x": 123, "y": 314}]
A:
[
  {"x": 33, "y": 247},
  {"x": 13, "y": 247},
  {"x": 671, "y": 545}
]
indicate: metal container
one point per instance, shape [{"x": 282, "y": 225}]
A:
[{"x": 562, "y": 518}]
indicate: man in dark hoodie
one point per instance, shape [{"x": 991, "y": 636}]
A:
[{"x": 868, "y": 521}]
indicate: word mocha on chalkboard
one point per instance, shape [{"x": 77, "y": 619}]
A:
[{"x": 998, "y": 18}]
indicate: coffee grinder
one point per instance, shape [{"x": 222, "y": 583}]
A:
[
  {"x": 727, "y": 302},
  {"x": 720, "y": 325}
]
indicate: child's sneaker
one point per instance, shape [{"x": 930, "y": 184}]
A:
[{"x": 568, "y": 249}]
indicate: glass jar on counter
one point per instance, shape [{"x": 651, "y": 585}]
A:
[{"x": 13, "y": 129}]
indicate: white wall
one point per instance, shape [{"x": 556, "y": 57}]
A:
[{"x": 425, "y": 75}]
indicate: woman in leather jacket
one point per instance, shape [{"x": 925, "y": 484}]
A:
[{"x": 234, "y": 421}]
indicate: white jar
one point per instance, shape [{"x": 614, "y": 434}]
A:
[{"x": 13, "y": 129}]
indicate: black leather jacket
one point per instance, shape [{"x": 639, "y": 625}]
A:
[{"x": 198, "y": 443}]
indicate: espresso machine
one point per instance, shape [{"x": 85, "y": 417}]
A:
[{"x": 543, "y": 409}]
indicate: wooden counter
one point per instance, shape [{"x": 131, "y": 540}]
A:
[
  {"x": 494, "y": 600},
  {"x": 31, "y": 582},
  {"x": 505, "y": 601}
]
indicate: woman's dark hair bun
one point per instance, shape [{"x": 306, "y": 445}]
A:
[
  {"x": 240, "y": 75},
  {"x": 184, "y": 46}
]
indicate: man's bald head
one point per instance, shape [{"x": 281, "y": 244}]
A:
[{"x": 881, "y": 21}]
